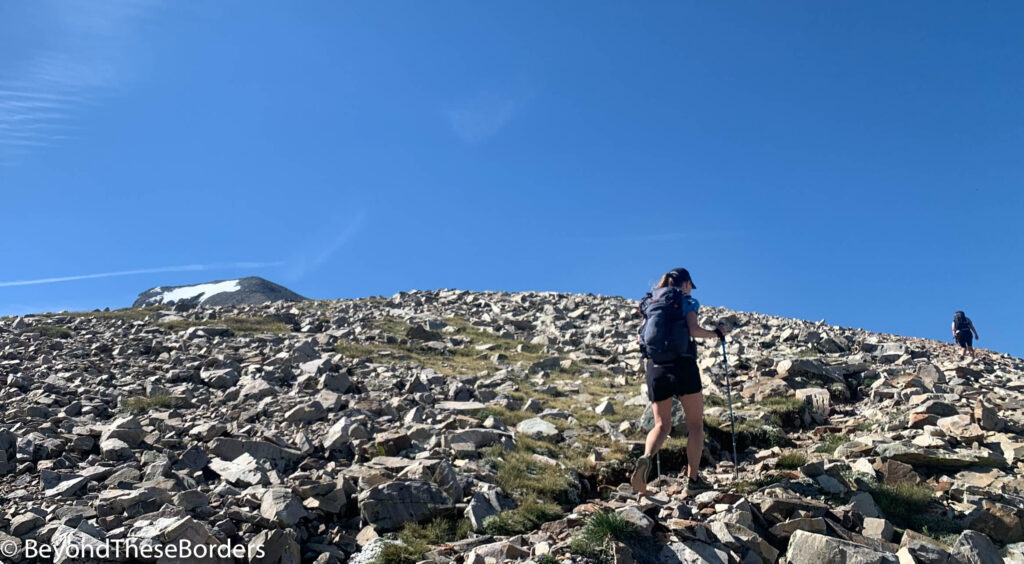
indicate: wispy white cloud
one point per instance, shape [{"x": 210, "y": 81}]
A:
[
  {"x": 488, "y": 113},
  {"x": 310, "y": 261},
  {"x": 650, "y": 237},
  {"x": 181, "y": 268},
  {"x": 75, "y": 66}
]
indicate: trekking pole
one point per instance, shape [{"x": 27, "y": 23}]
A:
[{"x": 732, "y": 420}]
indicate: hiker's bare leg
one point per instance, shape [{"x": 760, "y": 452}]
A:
[
  {"x": 693, "y": 407},
  {"x": 662, "y": 426}
]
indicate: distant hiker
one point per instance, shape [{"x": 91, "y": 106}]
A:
[
  {"x": 666, "y": 337},
  {"x": 962, "y": 329}
]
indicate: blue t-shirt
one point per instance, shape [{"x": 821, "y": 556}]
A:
[{"x": 689, "y": 304}]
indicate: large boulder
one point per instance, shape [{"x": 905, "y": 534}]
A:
[
  {"x": 812, "y": 548},
  {"x": 178, "y": 531},
  {"x": 692, "y": 552},
  {"x": 486, "y": 502},
  {"x": 1000, "y": 522},
  {"x": 275, "y": 546},
  {"x": 975, "y": 548},
  {"x": 924, "y": 549},
  {"x": 808, "y": 369},
  {"x": 281, "y": 505},
  {"x": 230, "y": 449},
  {"x": 475, "y": 439},
  {"x": 947, "y": 458},
  {"x": 127, "y": 429},
  {"x": 537, "y": 428},
  {"x": 74, "y": 546},
  {"x": 389, "y": 505}
]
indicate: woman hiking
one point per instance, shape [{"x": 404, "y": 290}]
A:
[
  {"x": 669, "y": 378},
  {"x": 962, "y": 329}
]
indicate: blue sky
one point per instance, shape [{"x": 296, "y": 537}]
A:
[{"x": 858, "y": 162}]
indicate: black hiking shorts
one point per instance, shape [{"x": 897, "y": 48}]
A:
[
  {"x": 964, "y": 338},
  {"x": 670, "y": 380}
]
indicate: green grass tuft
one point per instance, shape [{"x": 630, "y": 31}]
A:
[
  {"x": 785, "y": 412},
  {"x": 603, "y": 526},
  {"x": 902, "y": 502},
  {"x": 435, "y": 532},
  {"x": 942, "y": 529},
  {"x": 909, "y": 506},
  {"x": 747, "y": 486},
  {"x": 527, "y": 479},
  {"x": 509, "y": 417},
  {"x": 791, "y": 460},
  {"x": 415, "y": 539},
  {"x": 401, "y": 553},
  {"x": 712, "y": 400},
  {"x": 525, "y": 518},
  {"x": 601, "y": 529},
  {"x": 748, "y": 433},
  {"x": 832, "y": 442}
]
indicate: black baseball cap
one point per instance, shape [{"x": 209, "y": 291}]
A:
[{"x": 682, "y": 275}]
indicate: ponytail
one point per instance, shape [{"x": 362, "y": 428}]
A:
[{"x": 668, "y": 279}]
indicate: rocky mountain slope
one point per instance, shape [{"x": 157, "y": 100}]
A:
[
  {"x": 452, "y": 426},
  {"x": 243, "y": 291}
]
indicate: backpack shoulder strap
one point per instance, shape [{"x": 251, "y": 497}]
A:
[{"x": 644, "y": 302}]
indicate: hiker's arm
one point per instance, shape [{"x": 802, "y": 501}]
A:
[
  {"x": 954, "y": 329},
  {"x": 697, "y": 331},
  {"x": 975, "y": 330}
]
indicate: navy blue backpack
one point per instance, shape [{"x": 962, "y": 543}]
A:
[{"x": 665, "y": 336}]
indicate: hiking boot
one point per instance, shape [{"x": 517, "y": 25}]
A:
[
  {"x": 639, "y": 479},
  {"x": 694, "y": 487}
]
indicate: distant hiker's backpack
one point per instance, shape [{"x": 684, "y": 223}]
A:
[
  {"x": 664, "y": 335},
  {"x": 961, "y": 322}
]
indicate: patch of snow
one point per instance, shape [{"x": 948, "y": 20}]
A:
[{"x": 205, "y": 290}]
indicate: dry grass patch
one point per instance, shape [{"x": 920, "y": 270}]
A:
[
  {"x": 356, "y": 350},
  {"x": 125, "y": 314},
  {"x": 142, "y": 404},
  {"x": 510, "y": 417},
  {"x": 239, "y": 325},
  {"x": 52, "y": 331}
]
